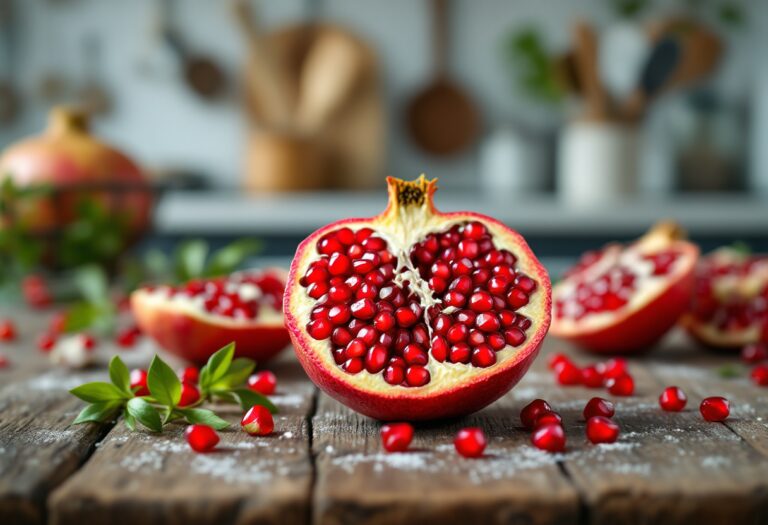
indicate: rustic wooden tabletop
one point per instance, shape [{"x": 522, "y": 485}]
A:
[{"x": 325, "y": 464}]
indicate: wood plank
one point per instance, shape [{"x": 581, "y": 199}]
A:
[{"x": 144, "y": 478}]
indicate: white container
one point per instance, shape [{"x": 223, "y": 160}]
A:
[
  {"x": 597, "y": 163},
  {"x": 511, "y": 162}
]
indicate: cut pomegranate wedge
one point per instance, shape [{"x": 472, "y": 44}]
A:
[
  {"x": 622, "y": 299},
  {"x": 199, "y": 317},
  {"x": 416, "y": 314},
  {"x": 730, "y": 300}
]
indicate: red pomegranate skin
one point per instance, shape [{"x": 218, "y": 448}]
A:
[{"x": 397, "y": 403}]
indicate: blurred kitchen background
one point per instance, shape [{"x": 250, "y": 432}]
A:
[{"x": 574, "y": 122}]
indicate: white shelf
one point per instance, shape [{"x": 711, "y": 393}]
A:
[{"x": 181, "y": 213}]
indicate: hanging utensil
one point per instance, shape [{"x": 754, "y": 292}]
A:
[
  {"x": 585, "y": 53},
  {"x": 654, "y": 77},
  {"x": 442, "y": 118}
]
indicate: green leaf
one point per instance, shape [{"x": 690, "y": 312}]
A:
[
  {"x": 81, "y": 316},
  {"x": 237, "y": 374},
  {"x": 97, "y": 412},
  {"x": 98, "y": 392},
  {"x": 230, "y": 257},
  {"x": 249, "y": 398},
  {"x": 119, "y": 375},
  {"x": 729, "y": 371},
  {"x": 204, "y": 417},
  {"x": 216, "y": 367},
  {"x": 145, "y": 414},
  {"x": 190, "y": 259},
  {"x": 92, "y": 282},
  {"x": 130, "y": 421},
  {"x": 163, "y": 383},
  {"x": 157, "y": 264}
]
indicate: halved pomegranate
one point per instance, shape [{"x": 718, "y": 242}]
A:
[
  {"x": 197, "y": 318},
  {"x": 730, "y": 300},
  {"x": 622, "y": 299},
  {"x": 416, "y": 314}
]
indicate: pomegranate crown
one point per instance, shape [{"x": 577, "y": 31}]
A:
[{"x": 404, "y": 194}]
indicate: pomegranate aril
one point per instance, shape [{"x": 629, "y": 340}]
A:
[
  {"x": 457, "y": 333},
  {"x": 138, "y": 382},
  {"x": 201, "y": 438},
  {"x": 549, "y": 437},
  {"x": 405, "y": 317},
  {"x": 759, "y": 375},
  {"x": 462, "y": 266},
  {"x": 7, "y": 331},
  {"x": 522, "y": 322},
  {"x": 532, "y": 410},
  {"x": 470, "y": 442},
  {"x": 415, "y": 355},
  {"x": 417, "y": 376},
  {"x": 517, "y": 298},
  {"x": 474, "y": 230},
  {"x": 466, "y": 317},
  {"x": 597, "y": 406},
  {"x": 439, "y": 348},
  {"x": 480, "y": 277},
  {"x": 384, "y": 321},
  {"x": 715, "y": 408},
  {"x": 374, "y": 244},
  {"x": 363, "y": 234},
  {"x": 496, "y": 341},
  {"x": 483, "y": 356},
  {"x": 437, "y": 284},
  {"x": 673, "y": 399},
  {"x": 402, "y": 339},
  {"x": 263, "y": 382},
  {"x": 623, "y": 385},
  {"x": 316, "y": 274},
  {"x": 468, "y": 248},
  {"x": 339, "y": 314},
  {"x": 355, "y": 348},
  {"x": 567, "y": 373},
  {"x": 514, "y": 336},
  {"x": 189, "y": 395},
  {"x": 368, "y": 335},
  {"x": 476, "y": 338},
  {"x": 189, "y": 374},
  {"x": 441, "y": 324},
  {"x": 396, "y": 437},
  {"x": 460, "y": 353},
  {"x": 461, "y": 284},
  {"x": 319, "y": 328},
  {"x": 602, "y": 430},
  {"x": 487, "y": 322},
  {"x": 615, "y": 367},
  {"x": 394, "y": 375},
  {"x": 45, "y": 342},
  {"x": 592, "y": 377},
  {"x": 525, "y": 283},
  {"x": 455, "y": 299},
  {"x": 376, "y": 358},
  {"x": 497, "y": 285},
  {"x": 556, "y": 359},
  {"x": 258, "y": 421},
  {"x": 315, "y": 290},
  {"x": 353, "y": 365},
  {"x": 339, "y": 264},
  {"x": 341, "y": 336},
  {"x": 754, "y": 353},
  {"x": 345, "y": 236},
  {"x": 363, "y": 309},
  {"x": 480, "y": 302},
  {"x": 547, "y": 417}
]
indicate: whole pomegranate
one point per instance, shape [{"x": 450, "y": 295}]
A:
[
  {"x": 416, "y": 314},
  {"x": 730, "y": 300},
  {"x": 622, "y": 299},
  {"x": 76, "y": 166}
]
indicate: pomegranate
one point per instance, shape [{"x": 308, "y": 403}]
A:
[
  {"x": 77, "y": 166},
  {"x": 622, "y": 299},
  {"x": 730, "y": 300},
  {"x": 197, "y": 318},
  {"x": 416, "y": 314}
]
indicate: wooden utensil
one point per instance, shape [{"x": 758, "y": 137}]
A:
[
  {"x": 585, "y": 52},
  {"x": 700, "y": 53},
  {"x": 442, "y": 118},
  {"x": 567, "y": 73},
  {"x": 654, "y": 77}
]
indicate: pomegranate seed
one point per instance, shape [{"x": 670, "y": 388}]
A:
[
  {"x": 363, "y": 309},
  {"x": 384, "y": 321},
  {"x": 189, "y": 395},
  {"x": 514, "y": 336},
  {"x": 376, "y": 358},
  {"x": 480, "y": 302},
  {"x": 263, "y": 382},
  {"x": 497, "y": 341},
  {"x": 126, "y": 338},
  {"x": 487, "y": 322},
  {"x": 525, "y": 283},
  {"x": 415, "y": 355},
  {"x": 439, "y": 348},
  {"x": 673, "y": 399},
  {"x": 341, "y": 336},
  {"x": 339, "y": 264},
  {"x": 516, "y": 298},
  {"x": 476, "y": 337},
  {"x": 759, "y": 375},
  {"x": 567, "y": 373},
  {"x": 339, "y": 314},
  {"x": 549, "y": 437},
  {"x": 189, "y": 374},
  {"x": 138, "y": 379},
  {"x": 548, "y": 417},
  {"x": 258, "y": 421},
  {"x": 483, "y": 356},
  {"x": 396, "y": 437},
  {"x": 319, "y": 329},
  {"x": 417, "y": 376},
  {"x": 89, "y": 343},
  {"x": 368, "y": 335},
  {"x": 468, "y": 248},
  {"x": 498, "y": 284},
  {"x": 507, "y": 318},
  {"x": 622, "y": 385},
  {"x": 462, "y": 266},
  {"x": 363, "y": 234},
  {"x": 462, "y": 284},
  {"x": 592, "y": 377},
  {"x": 315, "y": 274},
  {"x": 460, "y": 353},
  {"x": 394, "y": 375},
  {"x": 602, "y": 430},
  {"x": 7, "y": 331},
  {"x": 405, "y": 317},
  {"x": 441, "y": 324},
  {"x": 466, "y": 317},
  {"x": 615, "y": 367},
  {"x": 45, "y": 342},
  {"x": 556, "y": 359},
  {"x": 754, "y": 353},
  {"x": 353, "y": 365},
  {"x": 597, "y": 406},
  {"x": 715, "y": 408},
  {"x": 328, "y": 246},
  {"x": 455, "y": 299},
  {"x": 317, "y": 290},
  {"x": 470, "y": 442},
  {"x": 201, "y": 438},
  {"x": 474, "y": 230},
  {"x": 532, "y": 410},
  {"x": 345, "y": 236},
  {"x": 457, "y": 333},
  {"x": 340, "y": 293},
  {"x": 355, "y": 348}
]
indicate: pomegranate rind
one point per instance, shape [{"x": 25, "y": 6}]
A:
[{"x": 461, "y": 392}]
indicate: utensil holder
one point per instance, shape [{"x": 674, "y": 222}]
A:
[{"x": 278, "y": 162}]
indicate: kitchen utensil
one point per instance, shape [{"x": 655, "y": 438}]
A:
[
  {"x": 284, "y": 162},
  {"x": 623, "y": 50},
  {"x": 585, "y": 52},
  {"x": 654, "y": 77},
  {"x": 700, "y": 54},
  {"x": 10, "y": 99},
  {"x": 442, "y": 118},
  {"x": 93, "y": 95},
  {"x": 567, "y": 73}
]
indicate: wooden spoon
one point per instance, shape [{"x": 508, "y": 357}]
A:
[
  {"x": 442, "y": 119},
  {"x": 597, "y": 102}
]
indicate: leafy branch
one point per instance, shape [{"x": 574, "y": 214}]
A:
[{"x": 221, "y": 379}]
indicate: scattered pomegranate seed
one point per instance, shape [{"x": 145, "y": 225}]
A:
[
  {"x": 759, "y": 375},
  {"x": 7, "y": 330},
  {"x": 715, "y": 408},
  {"x": 263, "y": 382},
  {"x": 615, "y": 367},
  {"x": 189, "y": 374},
  {"x": 126, "y": 338},
  {"x": 597, "y": 406},
  {"x": 547, "y": 417},
  {"x": 673, "y": 399},
  {"x": 139, "y": 380},
  {"x": 754, "y": 353},
  {"x": 470, "y": 442},
  {"x": 622, "y": 385},
  {"x": 602, "y": 430},
  {"x": 201, "y": 438},
  {"x": 396, "y": 437},
  {"x": 36, "y": 292},
  {"x": 567, "y": 373},
  {"x": 592, "y": 377},
  {"x": 89, "y": 343},
  {"x": 549, "y": 437},
  {"x": 532, "y": 410},
  {"x": 45, "y": 342},
  {"x": 189, "y": 395},
  {"x": 556, "y": 359},
  {"x": 258, "y": 421}
]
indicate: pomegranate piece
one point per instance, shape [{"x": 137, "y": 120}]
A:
[
  {"x": 396, "y": 437},
  {"x": 602, "y": 430},
  {"x": 673, "y": 399},
  {"x": 754, "y": 353},
  {"x": 729, "y": 302},
  {"x": 7, "y": 330},
  {"x": 715, "y": 408},
  {"x": 623, "y": 385},
  {"x": 189, "y": 374},
  {"x": 201, "y": 438},
  {"x": 470, "y": 442},
  {"x": 532, "y": 410},
  {"x": 549, "y": 437},
  {"x": 597, "y": 406},
  {"x": 258, "y": 421},
  {"x": 189, "y": 395},
  {"x": 194, "y": 319},
  {"x": 759, "y": 375},
  {"x": 623, "y": 299},
  {"x": 446, "y": 311},
  {"x": 138, "y": 379},
  {"x": 263, "y": 382}
]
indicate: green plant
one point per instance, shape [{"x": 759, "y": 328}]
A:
[{"x": 532, "y": 67}]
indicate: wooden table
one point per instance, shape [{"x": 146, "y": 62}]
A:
[{"x": 324, "y": 463}]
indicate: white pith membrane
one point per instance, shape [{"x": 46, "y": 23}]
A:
[
  {"x": 604, "y": 286},
  {"x": 402, "y": 230},
  {"x": 243, "y": 289},
  {"x": 730, "y": 301}
]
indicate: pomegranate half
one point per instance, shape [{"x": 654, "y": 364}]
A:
[
  {"x": 730, "y": 300},
  {"x": 197, "y": 318},
  {"x": 622, "y": 299},
  {"x": 416, "y": 314}
]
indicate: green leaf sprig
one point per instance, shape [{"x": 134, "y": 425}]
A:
[{"x": 221, "y": 379}]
